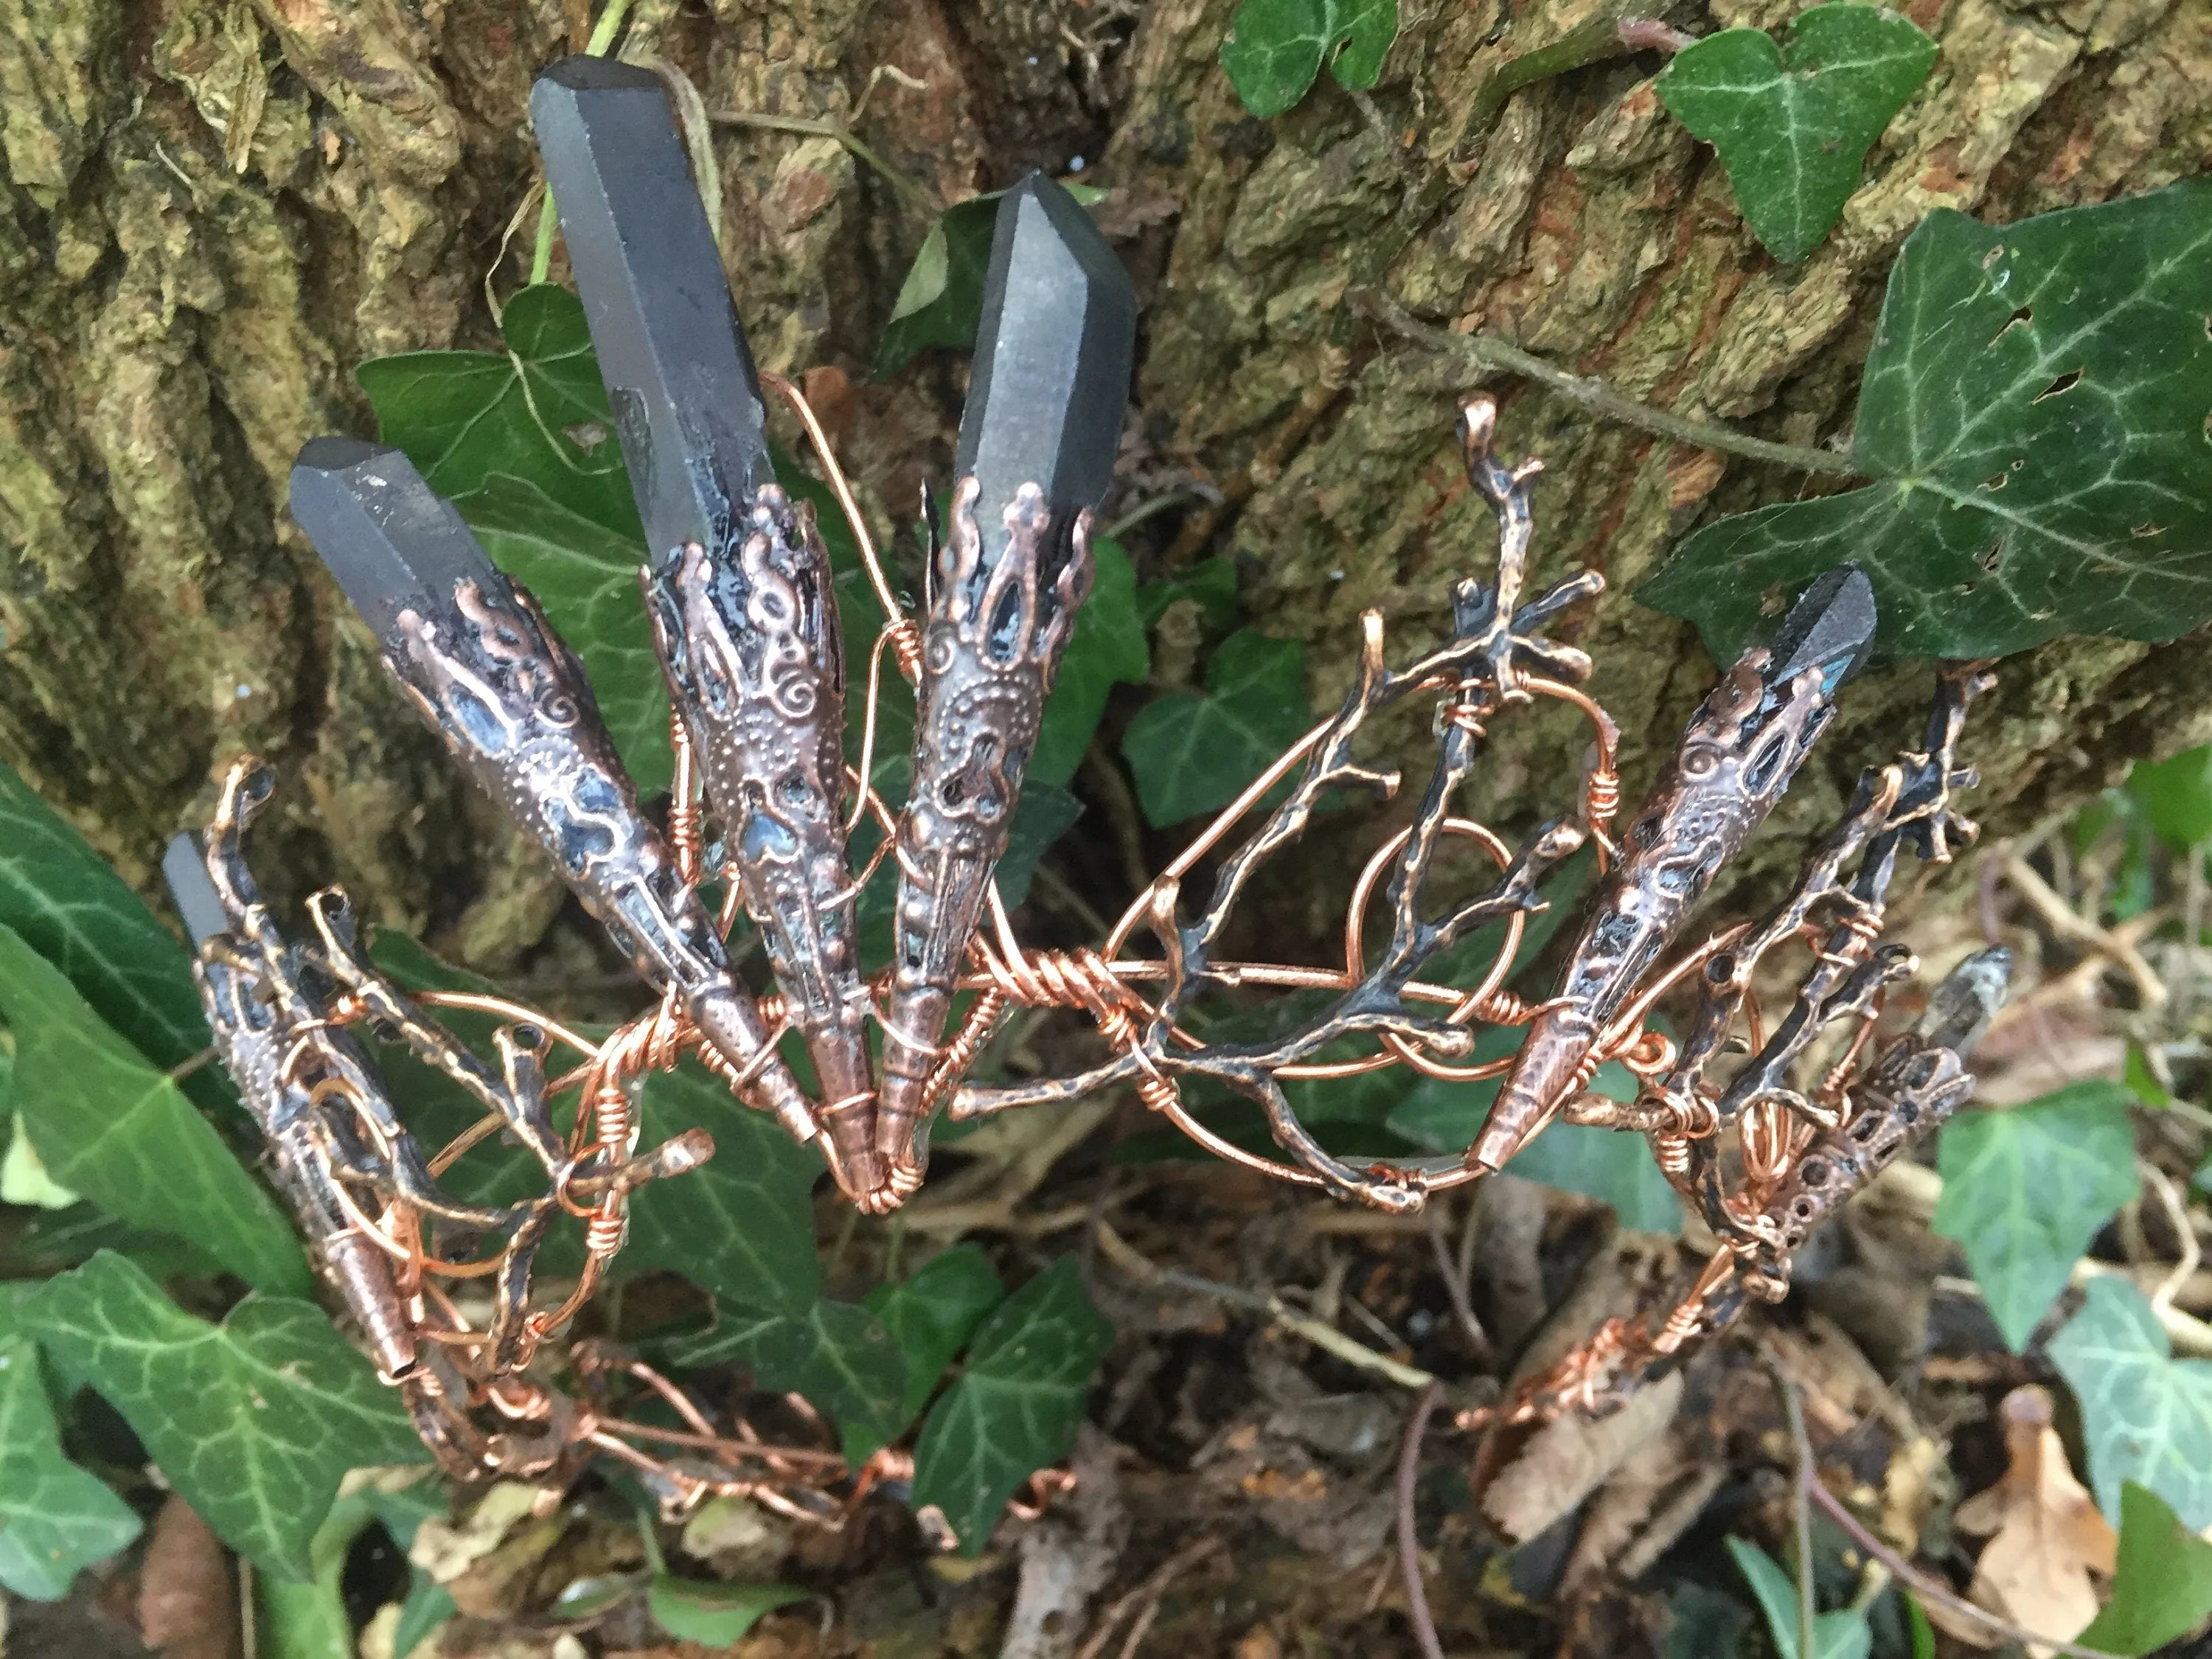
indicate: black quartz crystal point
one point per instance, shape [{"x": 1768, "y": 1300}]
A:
[
  {"x": 184, "y": 867},
  {"x": 1051, "y": 378},
  {"x": 686, "y": 403},
  {"x": 393, "y": 543},
  {"x": 1831, "y": 626}
]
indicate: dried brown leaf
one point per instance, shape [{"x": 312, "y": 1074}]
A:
[
  {"x": 187, "y": 1600},
  {"x": 2047, "y": 1537}
]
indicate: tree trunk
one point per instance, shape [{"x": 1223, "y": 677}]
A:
[{"x": 216, "y": 209}]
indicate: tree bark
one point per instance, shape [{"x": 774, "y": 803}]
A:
[{"x": 215, "y": 209}]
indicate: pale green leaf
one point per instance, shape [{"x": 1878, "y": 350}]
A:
[
  {"x": 1191, "y": 752},
  {"x": 253, "y": 1421},
  {"x": 115, "y": 1127},
  {"x": 1793, "y": 127},
  {"x": 714, "y": 1615},
  {"x": 54, "y": 1517},
  {"x": 2025, "y": 1190},
  {"x": 2176, "y": 796},
  {"x": 2164, "y": 1588},
  {"x": 1835, "y": 1635},
  {"x": 2146, "y": 1415},
  {"x": 585, "y": 577},
  {"x": 1016, "y": 1406},
  {"x": 2033, "y": 417},
  {"x": 1276, "y": 47}
]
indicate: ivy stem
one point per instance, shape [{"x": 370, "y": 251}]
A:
[
  {"x": 1487, "y": 352},
  {"x": 1800, "y": 1506},
  {"x": 549, "y": 217},
  {"x": 811, "y": 128}
]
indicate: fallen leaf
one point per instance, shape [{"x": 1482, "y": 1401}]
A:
[
  {"x": 187, "y": 1606},
  {"x": 2047, "y": 1536}
]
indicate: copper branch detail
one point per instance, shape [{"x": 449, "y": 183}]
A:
[{"x": 1764, "y": 1121}]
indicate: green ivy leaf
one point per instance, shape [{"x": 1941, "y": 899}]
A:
[
  {"x": 54, "y": 1517},
  {"x": 1106, "y": 648},
  {"x": 1617, "y": 1170},
  {"x": 941, "y": 301},
  {"x": 1043, "y": 814},
  {"x": 713, "y": 1615},
  {"x": 2033, "y": 414},
  {"x": 1192, "y": 752},
  {"x": 933, "y": 1312},
  {"x": 1844, "y": 1635},
  {"x": 838, "y": 1354},
  {"x": 1276, "y": 47},
  {"x": 536, "y": 412},
  {"x": 254, "y": 1421},
  {"x": 742, "y": 1224},
  {"x": 585, "y": 576},
  {"x": 1793, "y": 128},
  {"x": 2164, "y": 1588},
  {"x": 74, "y": 911},
  {"x": 111, "y": 1126},
  {"x": 2025, "y": 1190},
  {"x": 1015, "y": 1408},
  {"x": 1211, "y": 584},
  {"x": 2146, "y": 1415},
  {"x": 2176, "y": 796}
]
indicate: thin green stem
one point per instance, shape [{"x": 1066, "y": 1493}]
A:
[
  {"x": 549, "y": 217},
  {"x": 816, "y": 129},
  {"x": 1802, "y": 1509},
  {"x": 1484, "y": 351}
]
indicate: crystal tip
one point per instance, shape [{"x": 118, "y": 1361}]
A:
[
  {"x": 391, "y": 540},
  {"x": 1966, "y": 999},
  {"x": 1831, "y": 626},
  {"x": 184, "y": 867},
  {"x": 1054, "y": 354},
  {"x": 582, "y": 72}
]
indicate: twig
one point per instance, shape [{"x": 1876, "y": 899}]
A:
[
  {"x": 1922, "y": 1585},
  {"x": 1146, "y": 1594},
  {"x": 2177, "y": 1214},
  {"x": 1462, "y": 1308},
  {"x": 812, "y": 128},
  {"x": 1409, "y": 1552},
  {"x": 1140, "y": 1267},
  {"x": 1801, "y": 1505},
  {"x": 1487, "y": 351},
  {"x": 2069, "y": 924}
]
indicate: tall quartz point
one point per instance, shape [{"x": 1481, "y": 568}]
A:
[
  {"x": 393, "y": 543},
  {"x": 1831, "y": 626},
  {"x": 687, "y": 404},
  {"x": 1051, "y": 378},
  {"x": 185, "y": 867}
]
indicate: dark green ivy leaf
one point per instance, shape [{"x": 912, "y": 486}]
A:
[
  {"x": 1843, "y": 1635},
  {"x": 2033, "y": 417},
  {"x": 1191, "y": 752},
  {"x": 1106, "y": 648},
  {"x": 837, "y": 1354},
  {"x": 54, "y": 1517},
  {"x": 536, "y": 412},
  {"x": 933, "y": 1311},
  {"x": 585, "y": 576},
  {"x": 74, "y": 911},
  {"x": 1793, "y": 128},
  {"x": 111, "y": 1126},
  {"x": 1016, "y": 1406},
  {"x": 941, "y": 301},
  {"x": 2176, "y": 796},
  {"x": 253, "y": 1421},
  {"x": 742, "y": 1224},
  {"x": 1276, "y": 47}
]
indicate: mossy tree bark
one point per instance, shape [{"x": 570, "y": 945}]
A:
[{"x": 216, "y": 209}]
